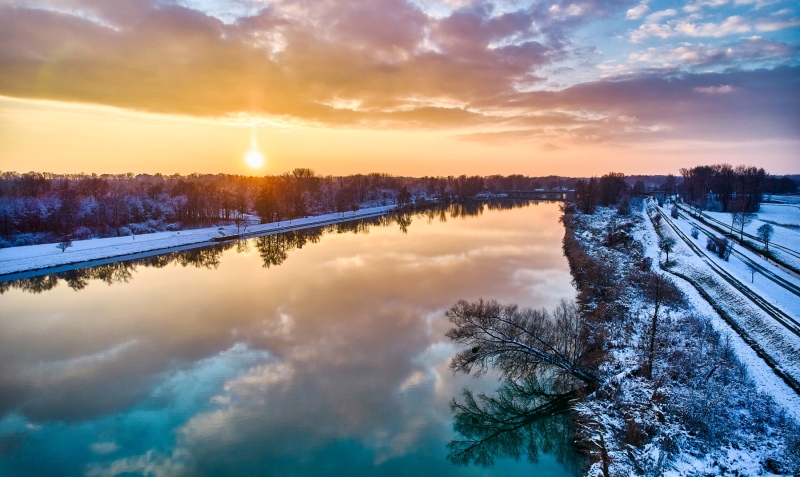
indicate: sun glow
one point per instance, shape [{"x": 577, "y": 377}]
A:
[{"x": 254, "y": 158}]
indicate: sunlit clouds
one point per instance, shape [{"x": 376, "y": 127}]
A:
[{"x": 549, "y": 76}]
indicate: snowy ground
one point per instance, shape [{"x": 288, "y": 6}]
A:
[
  {"x": 34, "y": 257},
  {"x": 735, "y": 437},
  {"x": 785, "y": 220},
  {"x": 780, "y": 344}
]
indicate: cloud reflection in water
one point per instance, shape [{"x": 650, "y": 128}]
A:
[{"x": 334, "y": 358}]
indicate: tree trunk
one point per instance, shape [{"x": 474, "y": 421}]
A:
[{"x": 652, "y": 348}]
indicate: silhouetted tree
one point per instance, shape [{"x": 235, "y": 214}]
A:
[
  {"x": 611, "y": 186},
  {"x": 586, "y": 194}
]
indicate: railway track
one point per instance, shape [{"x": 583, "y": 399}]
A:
[
  {"x": 766, "y": 272},
  {"x": 787, "y": 321},
  {"x": 725, "y": 229},
  {"x": 773, "y": 312}
]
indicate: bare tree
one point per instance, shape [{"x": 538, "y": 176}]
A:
[
  {"x": 518, "y": 342},
  {"x": 64, "y": 244},
  {"x": 661, "y": 292},
  {"x": 751, "y": 267},
  {"x": 765, "y": 233},
  {"x": 740, "y": 220}
]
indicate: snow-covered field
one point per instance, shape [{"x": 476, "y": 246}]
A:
[
  {"x": 785, "y": 220},
  {"x": 34, "y": 257}
]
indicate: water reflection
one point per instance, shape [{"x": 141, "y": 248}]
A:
[
  {"x": 522, "y": 419},
  {"x": 334, "y": 362},
  {"x": 274, "y": 249}
]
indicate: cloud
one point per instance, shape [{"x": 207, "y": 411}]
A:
[
  {"x": 472, "y": 66},
  {"x": 732, "y": 25},
  {"x": 103, "y": 448},
  {"x": 754, "y": 49},
  {"x": 698, "y": 5},
  {"x": 289, "y": 59},
  {"x": 548, "y": 147},
  {"x": 722, "y": 89},
  {"x": 657, "y": 16},
  {"x": 637, "y": 12},
  {"x": 774, "y": 26}
]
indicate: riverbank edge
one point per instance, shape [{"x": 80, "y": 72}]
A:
[{"x": 24, "y": 262}]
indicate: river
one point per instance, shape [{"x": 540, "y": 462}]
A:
[{"x": 315, "y": 353}]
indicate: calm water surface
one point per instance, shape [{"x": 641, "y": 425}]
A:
[{"x": 317, "y": 353}]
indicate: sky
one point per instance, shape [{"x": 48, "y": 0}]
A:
[{"x": 411, "y": 87}]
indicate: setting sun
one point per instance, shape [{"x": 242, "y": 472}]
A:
[{"x": 254, "y": 158}]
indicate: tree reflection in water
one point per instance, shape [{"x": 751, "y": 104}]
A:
[
  {"x": 547, "y": 363},
  {"x": 274, "y": 249},
  {"x": 522, "y": 420}
]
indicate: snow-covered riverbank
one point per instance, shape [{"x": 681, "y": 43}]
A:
[{"x": 35, "y": 257}]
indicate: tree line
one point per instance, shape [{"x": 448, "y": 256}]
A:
[
  {"x": 43, "y": 207},
  {"x": 273, "y": 249},
  {"x": 724, "y": 188},
  {"x": 720, "y": 188}
]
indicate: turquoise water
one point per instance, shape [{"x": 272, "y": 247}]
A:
[{"x": 314, "y": 353}]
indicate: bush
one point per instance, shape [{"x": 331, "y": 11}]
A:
[
  {"x": 695, "y": 233},
  {"x": 26, "y": 239},
  {"x": 139, "y": 229},
  {"x": 674, "y": 212},
  {"x": 720, "y": 246},
  {"x": 64, "y": 244}
]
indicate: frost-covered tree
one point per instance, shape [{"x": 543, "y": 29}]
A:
[
  {"x": 519, "y": 342},
  {"x": 666, "y": 245}
]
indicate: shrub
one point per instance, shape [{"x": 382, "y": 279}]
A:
[
  {"x": 720, "y": 246},
  {"x": 695, "y": 233}
]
